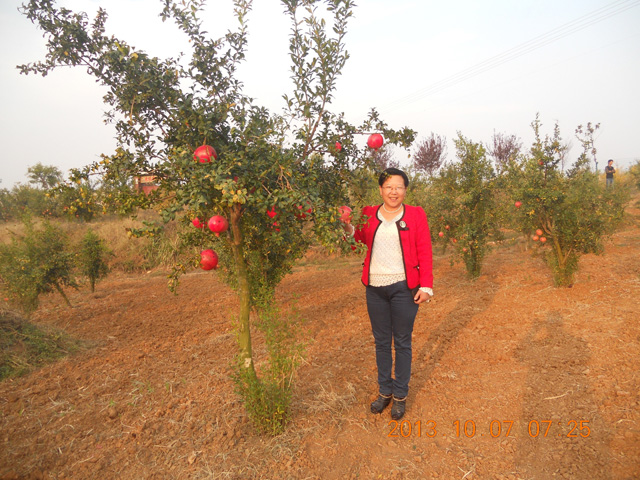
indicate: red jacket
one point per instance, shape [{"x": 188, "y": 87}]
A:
[{"x": 415, "y": 241}]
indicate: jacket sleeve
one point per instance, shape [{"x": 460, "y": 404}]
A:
[
  {"x": 423, "y": 250},
  {"x": 359, "y": 235}
]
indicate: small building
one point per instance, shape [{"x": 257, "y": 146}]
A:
[{"x": 145, "y": 184}]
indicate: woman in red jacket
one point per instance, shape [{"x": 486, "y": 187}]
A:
[{"x": 398, "y": 277}]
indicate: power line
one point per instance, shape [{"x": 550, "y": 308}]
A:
[{"x": 557, "y": 33}]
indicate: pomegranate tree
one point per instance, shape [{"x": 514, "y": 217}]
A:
[
  {"x": 460, "y": 204},
  {"x": 570, "y": 211},
  {"x": 266, "y": 164}
]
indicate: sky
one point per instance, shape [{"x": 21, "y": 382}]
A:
[{"x": 461, "y": 66}]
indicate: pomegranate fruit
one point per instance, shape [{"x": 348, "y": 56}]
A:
[
  {"x": 218, "y": 224},
  {"x": 345, "y": 214},
  {"x": 375, "y": 141},
  {"x": 208, "y": 259},
  {"x": 204, "y": 153}
]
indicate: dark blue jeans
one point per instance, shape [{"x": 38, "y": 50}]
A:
[{"x": 392, "y": 313}]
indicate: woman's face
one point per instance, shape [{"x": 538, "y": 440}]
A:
[{"x": 393, "y": 191}]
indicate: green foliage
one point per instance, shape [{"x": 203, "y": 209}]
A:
[
  {"x": 37, "y": 262},
  {"x": 23, "y": 200},
  {"x": 25, "y": 346},
  {"x": 634, "y": 170},
  {"x": 573, "y": 209},
  {"x": 460, "y": 204},
  {"x": 44, "y": 176},
  {"x": 92, "y": 258},
  {"x": 79, "y": 198}
]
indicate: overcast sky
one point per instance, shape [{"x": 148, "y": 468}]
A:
[{"x": 466, "y": 66}]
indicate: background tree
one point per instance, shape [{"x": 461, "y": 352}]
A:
[
  {"x": 504, "y": 150},
  {"x": 269, "y": 168},
  {"x": 567, "y": 214},
  {"x": 460, "y": 204},
  {"x": 383, "y": 158},
  {"x": 585, "y": 137},
  {"x": 44, "y": 176},
  {"x": 429, "y": 154},
  {"x": 634, "y": 170}
]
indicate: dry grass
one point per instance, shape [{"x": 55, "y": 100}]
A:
[{"x": 130, "y": 254}]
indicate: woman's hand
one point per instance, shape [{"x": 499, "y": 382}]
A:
[
  {"x": 349, "y": 229},
  {"x": 421, "y": 297}
]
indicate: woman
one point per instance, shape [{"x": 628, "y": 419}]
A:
[{"x": 398, "y": 276}]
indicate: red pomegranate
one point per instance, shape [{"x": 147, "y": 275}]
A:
[
  {"x": 218, "y": 224},
  {"x": 302, "y": 215},
  {"x": 345, "y": 214},
  {"x": 272, "y": 212},
  {"x": 204, "y": 153},
  {"x": 208, "y": 259},
  {"x": 338, "y": 146},
  {"x": 197, "y": 223},
  {"x": 375, "y": 141}
]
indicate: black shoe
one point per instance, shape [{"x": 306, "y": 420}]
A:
[
  {"x": 397, "y": 410},
  {"x": 380, "y": 403}
]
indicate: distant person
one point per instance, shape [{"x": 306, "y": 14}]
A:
[
  {"x": 609, "y": 171},
  {"x": 398, "y": 277}
]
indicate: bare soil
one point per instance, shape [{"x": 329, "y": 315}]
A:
[{"x": 512, "y": 379}]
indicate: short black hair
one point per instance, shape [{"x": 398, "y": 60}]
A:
[
  {"x": 610, "y": 160},
  {"x": 390, "y": 172}
]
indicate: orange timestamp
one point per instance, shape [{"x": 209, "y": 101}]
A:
[{"x": 494, "y": 429}]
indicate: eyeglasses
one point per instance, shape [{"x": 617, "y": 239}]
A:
[{"x": 390, "y": 189}]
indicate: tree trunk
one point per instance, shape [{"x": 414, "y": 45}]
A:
[
  {"x": 244, "y": 332},
  {"x": 59, "y": 289}
]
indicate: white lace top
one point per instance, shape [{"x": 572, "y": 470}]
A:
[{"x": 387, "y": 266}]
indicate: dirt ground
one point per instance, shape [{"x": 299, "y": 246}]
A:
[{"x": 512, "y": 379}]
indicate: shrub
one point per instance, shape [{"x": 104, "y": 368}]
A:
[
  {"x": 35, "y": 263},
  {"x": 92, "y": 258}
]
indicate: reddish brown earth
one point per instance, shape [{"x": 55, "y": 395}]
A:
[{"x": 556, "y": 369}]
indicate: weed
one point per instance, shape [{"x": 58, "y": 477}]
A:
[
  {"x": 268, "y": 399},
  {"x": 25, "y": 346}
]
